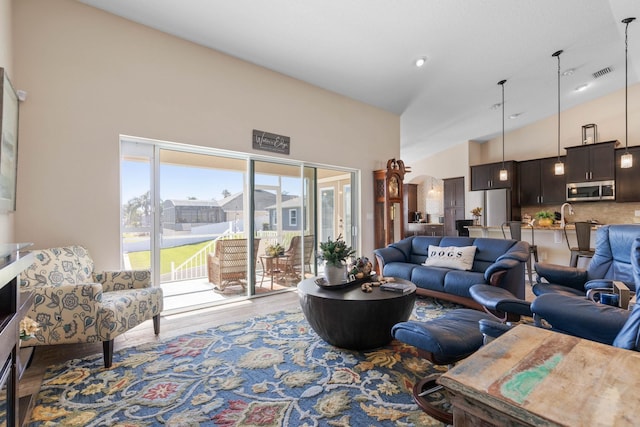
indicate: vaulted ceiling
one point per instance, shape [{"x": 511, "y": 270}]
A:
[{"x": 366, "y": 50}]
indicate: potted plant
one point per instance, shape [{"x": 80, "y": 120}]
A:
[
  {"x": 545, "y": 218},
  {"x": 274, "y": 250},
  {"x": 477, "y": 213},
  {"x": 335, "y": 253}
]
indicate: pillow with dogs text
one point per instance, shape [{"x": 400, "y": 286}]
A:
[{"x": 456, "y": 257}]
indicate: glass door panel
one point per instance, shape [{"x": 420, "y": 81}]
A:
[
  {"x": 336, "y": 205},
  {"x": 281, "y": 213},
  {"x": 136, "y": 205},
  {"x": 202, "y": 226}
]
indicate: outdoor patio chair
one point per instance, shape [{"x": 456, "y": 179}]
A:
[
  {"x": 228, "y": 264},
  {"x": 75, "y": 304},
  {"x": 299, "y": 255}
]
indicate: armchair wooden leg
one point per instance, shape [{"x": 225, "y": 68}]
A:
[
  {"x": 156, "y": 324},
  {"x": 107, "y": 348}
]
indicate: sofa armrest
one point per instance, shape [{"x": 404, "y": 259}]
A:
[
  {"x": 561, "y": 275},
  {"x": 120, "y": 280},
  {"x": 499, "y": 266},
  {"x": 599, "y": 284},
  {"x": 389, "y": 254},
  {"x": 579, "y": 317},
  {"x": 518, "y": 252}
]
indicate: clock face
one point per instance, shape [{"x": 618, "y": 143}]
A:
[{"x": 393, "y": 186}]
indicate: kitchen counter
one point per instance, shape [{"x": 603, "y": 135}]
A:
[
  {"x": 424, "y": 229},
  {"x": 551, "y": 242}
]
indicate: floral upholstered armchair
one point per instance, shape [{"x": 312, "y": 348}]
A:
[{"x": 74, "y": 304}]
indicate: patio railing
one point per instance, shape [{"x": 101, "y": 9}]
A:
[{"x": 195, "y": 266}]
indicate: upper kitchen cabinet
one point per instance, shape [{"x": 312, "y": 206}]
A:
[
  {"x": 627, "y": 188},
  {"x": 593, "y": 162},
  {"x": 539, "y": 185},
  {"x": 487, "y": 177}
]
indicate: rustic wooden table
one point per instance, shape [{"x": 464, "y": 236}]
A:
[{"x": 532, "y": 376}]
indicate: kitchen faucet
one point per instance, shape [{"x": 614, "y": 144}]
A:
[{"x": 571, "y": 212}]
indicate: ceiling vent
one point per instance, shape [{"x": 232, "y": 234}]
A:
[{"x": 602, "y": 72}]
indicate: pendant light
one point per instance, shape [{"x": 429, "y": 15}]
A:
[
  {"x": 559, "y": 166},
  {"x": 504, "y": 175},
  {"x": 626, "y": 160}
]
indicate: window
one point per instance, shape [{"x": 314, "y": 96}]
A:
[{"x": 293, "y": 217}]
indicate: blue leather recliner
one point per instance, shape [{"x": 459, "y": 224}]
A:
[
  {"x": 587, "y": 319},
  {"x": 610, "y": 262}
]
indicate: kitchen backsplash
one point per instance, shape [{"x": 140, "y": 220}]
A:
[{"x": 603, "y": 212}]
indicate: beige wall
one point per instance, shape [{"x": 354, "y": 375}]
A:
[
  {"x": 6, "y": 62},
  {"x": 540, "y": 139},
  {"x": 92, "y": 76}
]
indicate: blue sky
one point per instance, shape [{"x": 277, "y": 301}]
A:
[{"x": 180, "y": 182}]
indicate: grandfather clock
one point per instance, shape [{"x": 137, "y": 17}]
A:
[{"x": 388, "y": 205}]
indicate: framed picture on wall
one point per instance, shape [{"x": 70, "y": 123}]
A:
[{"x": 8, "y": 144}]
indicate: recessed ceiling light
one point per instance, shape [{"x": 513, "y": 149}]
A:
[
  {"x": 569, "y": 72},
  {"x": 496, "y": 106},
  {"x": 421, "y": 61},
  {"x": 515, "y": 116},
  {"x": 582, "y": 87}
]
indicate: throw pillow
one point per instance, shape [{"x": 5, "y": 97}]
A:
[{"x": 456, "y": 257}]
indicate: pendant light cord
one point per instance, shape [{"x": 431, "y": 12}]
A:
[
  {"x": 557, "y": 54},
  {"x": 627, "y": 21},
  {"x": 501, "y": 83}
]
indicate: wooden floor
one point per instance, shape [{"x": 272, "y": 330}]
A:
[{"x": 170, "y": 326}]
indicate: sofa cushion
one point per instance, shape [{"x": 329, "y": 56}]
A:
[
  {"x": 431, "y": 278},
  {"x": 403, "y": 246},
  {"x": 420, "y": 247},
  {"x": 401, "y": 270},
  {"x": 458, "y": 282},
  {"x": 456, "y": 257},
  {"x": 489, "y": 250}
]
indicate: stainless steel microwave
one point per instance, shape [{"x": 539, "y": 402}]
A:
[{"x": 597, "y": 190}]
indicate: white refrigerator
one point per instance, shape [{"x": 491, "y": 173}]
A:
[{"x": 497, "y": 207}]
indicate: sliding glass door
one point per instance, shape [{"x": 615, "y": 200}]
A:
[{"x": 215, "y": 227}]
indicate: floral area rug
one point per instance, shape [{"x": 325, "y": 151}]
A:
[{"x": 267, "y": 371}]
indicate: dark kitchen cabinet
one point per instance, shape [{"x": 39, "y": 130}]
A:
[
  {"x": 592, "y": 162},
  {"x": 410, "y": 202},
  {"x": 487, "y": 176},
  {"x": 539, "y": 185},
  {"x": 627, "y": 180},
  {"x": 454, "y": 192}
]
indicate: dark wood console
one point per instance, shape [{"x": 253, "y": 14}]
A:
[{"x": 12, "y": 308}]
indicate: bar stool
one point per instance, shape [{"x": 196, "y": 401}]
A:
[
  {"x": 515, "y": 231},
  {"x": 461, "y": 226},
  {"x": 583, "y": 237}
]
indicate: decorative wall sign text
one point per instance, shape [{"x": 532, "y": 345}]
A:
[{"x": 271, "y": 142}]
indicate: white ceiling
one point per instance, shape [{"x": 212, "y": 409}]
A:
[{"x": 365, "y": 49}]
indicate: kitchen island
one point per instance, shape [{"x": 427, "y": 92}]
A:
[{"x": 552, "y": 245}]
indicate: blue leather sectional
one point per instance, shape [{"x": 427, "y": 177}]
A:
[{"x": 499, "y": 262}]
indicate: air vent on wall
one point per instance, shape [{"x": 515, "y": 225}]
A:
[{"x": 602, "y": 72}]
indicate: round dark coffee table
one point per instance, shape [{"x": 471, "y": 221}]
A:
[{"x": 352, "y": 319}]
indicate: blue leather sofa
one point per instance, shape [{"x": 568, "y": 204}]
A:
[{"x": 499, "y": 262}]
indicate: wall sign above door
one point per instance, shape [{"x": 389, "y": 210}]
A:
[{"x": 271, "y": 142}]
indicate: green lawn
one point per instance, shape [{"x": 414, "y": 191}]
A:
[{"x": 179, "y": 254}]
